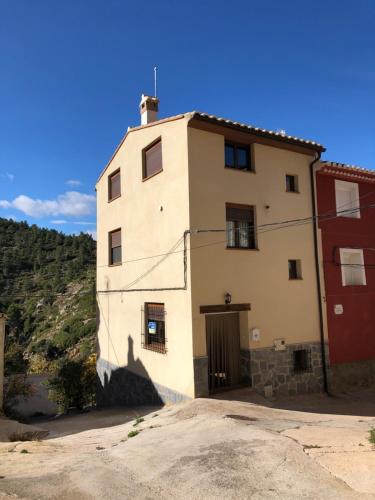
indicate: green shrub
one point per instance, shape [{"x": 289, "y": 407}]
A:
[
  {"x": 74, "y": 386},
  {"x": 14, "y": 360},
  {"x": 138, "y": 420},
  {"x": 16, "y": 387},
  {"x": 132, "y": 434},
  {"x": 372, "y": 436}
]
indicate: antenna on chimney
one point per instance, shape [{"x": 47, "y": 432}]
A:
[{"x": 155, "y": 78}]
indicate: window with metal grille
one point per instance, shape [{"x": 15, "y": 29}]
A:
[
  {"x": 301, "y": 360},
  {"x": 295, "y": 271},
  {"x": 114, "y": 185},
  {"x": 152, "y": 159},
  {"x": 291, "y": 183},
  {"x": 238, "y": 156},
  {"x": 154, "y": 335},
  {"x": 241, "y": 231},
  {"x": 115, "y": 256}
]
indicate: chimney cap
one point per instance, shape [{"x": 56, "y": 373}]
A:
[
  {"x": 149, "y": 102},
  {"x": 149, "y": 107}
]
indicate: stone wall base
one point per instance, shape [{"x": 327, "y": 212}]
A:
[
  {"x": 201, "y": 376},
  {"x": 347, "y": 376},
  {"x": 274, "y": 370},
  {"x": 118, "y": 386}
]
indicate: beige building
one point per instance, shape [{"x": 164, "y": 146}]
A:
[{"x": 205, "y": 279}]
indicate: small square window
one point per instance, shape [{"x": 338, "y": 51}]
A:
[
  {"x": 353, "y": 271},
  {"x": 114, "y": 185},
  {"x": 295, "y": 271},
  {"x": 291, "y": 182},
  {"x": 154, "y": 337},
  {"x": 152, "y": 160},
  {"x": 115, "y": 253},
  {"x": 301, "y": 361},
  {"x": 238, "y": 156}
]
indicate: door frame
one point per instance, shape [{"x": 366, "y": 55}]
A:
[{"x": 211, "y": 388}]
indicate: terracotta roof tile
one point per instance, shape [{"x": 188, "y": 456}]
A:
[{"x": 279, "y": 134}]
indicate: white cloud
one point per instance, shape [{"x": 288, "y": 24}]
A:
[
  {"x": 73, "y": 182},
  {"x": 70, "y": 203},
  {"x": 85, "y": 223},
  {"x": 59, "y": 221}
]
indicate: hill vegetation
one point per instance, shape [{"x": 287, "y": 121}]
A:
[{"x": 47, "y": 282}]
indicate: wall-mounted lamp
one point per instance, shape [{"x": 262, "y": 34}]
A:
[{"x": 228, "y": 298}]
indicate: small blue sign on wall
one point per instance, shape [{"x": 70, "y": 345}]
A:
[{"x": 152, "y": 327}]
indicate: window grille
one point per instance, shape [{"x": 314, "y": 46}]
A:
[
  {"x": 153, "y": 336},
  {"x": 301, "y": 360}
]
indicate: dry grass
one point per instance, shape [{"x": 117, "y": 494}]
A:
[{"x": 27, "y": 436}]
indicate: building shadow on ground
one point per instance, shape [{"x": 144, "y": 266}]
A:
[
  {"x": 359, "y": 402},
  {"x": 123, "y": 394},
  {"x": 128, "y": 386}
]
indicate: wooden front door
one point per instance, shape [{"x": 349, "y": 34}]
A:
[{"x": 223, "y": 350}]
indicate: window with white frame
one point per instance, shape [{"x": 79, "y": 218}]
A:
[
  {"x": 347, "y": 199},
  {"x": 352, "y": 266}
]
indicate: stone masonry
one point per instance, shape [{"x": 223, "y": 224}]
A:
[{"x": 276, "y": 368}]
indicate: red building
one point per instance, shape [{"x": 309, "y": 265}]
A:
[{"x": 346, "y": 208}]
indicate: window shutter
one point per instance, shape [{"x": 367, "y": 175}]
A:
[
  {"x": 116, "y": 239},
  {"x": 114, "y": 186},
  {"x": 154, "y": 160},
  {"x": 155, "y": 312},
  {"x": 240, "y": 214}
]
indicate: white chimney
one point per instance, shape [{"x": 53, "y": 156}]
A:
[{"x": 149, "y": 108}]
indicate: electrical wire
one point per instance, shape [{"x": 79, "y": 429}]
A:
[
  {"x": 261, "y": 229},
  {"x": 293, "y": 222}
]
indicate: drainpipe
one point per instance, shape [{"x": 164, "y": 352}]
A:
[{"x": 319, "y": 288}]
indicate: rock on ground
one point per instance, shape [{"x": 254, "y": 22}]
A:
[{"x": 203, "y": 449}]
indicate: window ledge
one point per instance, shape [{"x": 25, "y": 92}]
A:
[
  {"x": 151, "y": 176},
  {"x": 295, "y": 279},
  {"x": 115, "y": 198},
  {"x": 355, "y": 217},
  {"x": 115, "y": 264},
  {"x": 302, "y": 371},
  {"x": 294, "y": 192},
  {"x": 161, "y": 349},
  {"x": 248, "y": 171},
  {"x": 362, "y": 284},
  {"x": 242, "y": 248}
]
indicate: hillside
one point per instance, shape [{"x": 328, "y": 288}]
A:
[{"x": 47, "y": 282}]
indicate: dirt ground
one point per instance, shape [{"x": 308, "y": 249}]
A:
[{"x": 235, "y": 446}]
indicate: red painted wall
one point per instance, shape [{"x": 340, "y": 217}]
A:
[{"x": 352, "y": 334}]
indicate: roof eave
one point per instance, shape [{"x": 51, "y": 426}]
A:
[{"x": 258, "y": 132}]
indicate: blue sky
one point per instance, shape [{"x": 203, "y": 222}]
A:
[{"x": 72, "y": 73}]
